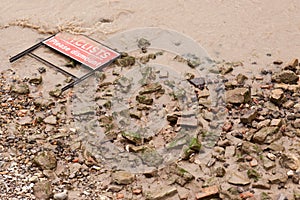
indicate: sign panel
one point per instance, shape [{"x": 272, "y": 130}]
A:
[{"x": 82, "y": 49}]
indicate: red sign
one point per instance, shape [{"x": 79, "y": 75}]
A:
[{"x": 82, "y": 49}]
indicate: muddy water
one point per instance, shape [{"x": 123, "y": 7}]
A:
[{"x": 245, "y": 30}]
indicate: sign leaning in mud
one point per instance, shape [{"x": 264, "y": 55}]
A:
[
  {"x": 82, "y": 49},
  {"x": 90, "y": 53}
]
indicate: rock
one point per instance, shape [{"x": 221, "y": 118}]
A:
[
  {"x": 123, "y": 177},
  {"x": 252, "y": 173},
  {"x": 238, "y": 96},
  {"x": 265, "y": 196},
  {"x": 277, "y": 97},
  {"x": 25, "y": 120},
  {"x": 42, "y": 190},
  {"x": 249, "y": 116},
  {"x": 61, "y": 196},
  {"x": 263, "y": 123},
  {"x": 162, "y": 193},
  {"x": 208, "y": 193},
  {"x": 172, "y": 118},
  {"x": 296, "y": 194},
  {"x": 261, "y": 184},
  {"x": 285, "y": 76},
  {"x": 46, "y": 160},
  {"x": 238, "y": 179},
  {"x": 50, "y": 120},
  {"x": 278, "y": 178},
  {"x": 74, "y": 168},
  {"x": 227, "y": 126},
  {"x": 271, "y": 156},
  {"x": 135, "y": 114},
  {"x": 282, "y": 197},
  {"x": 151, "y": 88},
  {"x": 136, "y": 138},
  {"x": 253, "y": 163},
  {"x": 262, "y": 135},
  {"x": 290, "y": 161},
  {"x": 55, "y": 93},
  {"x": 21, "y": 88},
  {"x": 220, "y": 172},
  {"x": 240, "y": 78},
  {"x": 268, "y": 164},
  {"x": 198, "y": 82},
  {"x": 229, "y": 151},
  {"x": 36, "y": 80},
  {"x": 292, "y": 65},
  {"x": 249, "y": 148},
  {"x": 296, "y": 123},
  {"x": 276, "y": 122},
  {"x": 225, "y": 69},
  {"x": 143, "y": 99},
  {"x": 143, "y": 43},
  {"x": 188, "y": 122},
  {"x": 277, "y": 62}
]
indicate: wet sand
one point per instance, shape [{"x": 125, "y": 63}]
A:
[{"x": 238, "y": 31}]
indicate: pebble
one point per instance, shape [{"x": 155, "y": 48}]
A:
[{"x": 61, "y": 196}]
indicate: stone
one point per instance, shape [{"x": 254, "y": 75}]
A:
[
  {"x": 42, "y": 190},
  {"x": 276, "y": 122},
  {"x": 296, "y": 123},
  {"x": 292, "y": 65},
  {"x": 136, "y": 138},
  {"x": 191, "y": 122},
  {"x": 123, "y": 177},
  {"x": 296, "y": 194},
  {"x": 172, "y": 118},
  {"x": 249, "y": 148},
  {"x": 249, "y": 116},
  {"x": 277, "y": 62},
  {"x": 21, "y": 88},
  {"x": 35, "y": 80},
  {"x": 238, "y": 179},
  {"x": 265, "y": 132},
  {"x": 143, "y": 99},
  {"x": 198, "y": 82},
  {"x": 25, "y": 120},
  {"x": 278, "y": 178},
  {"x": 262, "y": 184},
  {"x": 277, "y": 96},
  {"x": 61, "y": 196},
  {"x": 268, "y": 164},
  {"x": 162, "y": 193},
  {"x": 290, "y": 161},
  {"x": 286, "y": 76},
  {"x": 253, "y": 163},
  {"x": 135, "y": 114},
  {"x": 46, "y": 160},
  {"x": 50, "y": 120},
  {"x": 238, "y": 96},
  {"x": 151, "y": 88},
  {"x": 229, "y": 151},
  {"x": 220, "y": 172},
  {"x": 74, "y": 168},
  {"x": 263, "y": 123},
  {"x": 208, "y": 192},
  {"x": 252, "y": 173},
  {"x": 271, "y": 156},
  {"x": 240, "y": 78},
  {"x": 55, "y": 93},
  {"x": 225, "y": 69}
]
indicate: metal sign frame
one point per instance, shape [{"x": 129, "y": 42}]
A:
[{"x": 92, "y": 67}]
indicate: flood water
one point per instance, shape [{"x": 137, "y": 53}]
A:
[{"x": 237, "y": 31}]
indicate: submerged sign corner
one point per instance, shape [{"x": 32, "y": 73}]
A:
[{"x": 82, "y": 49}]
